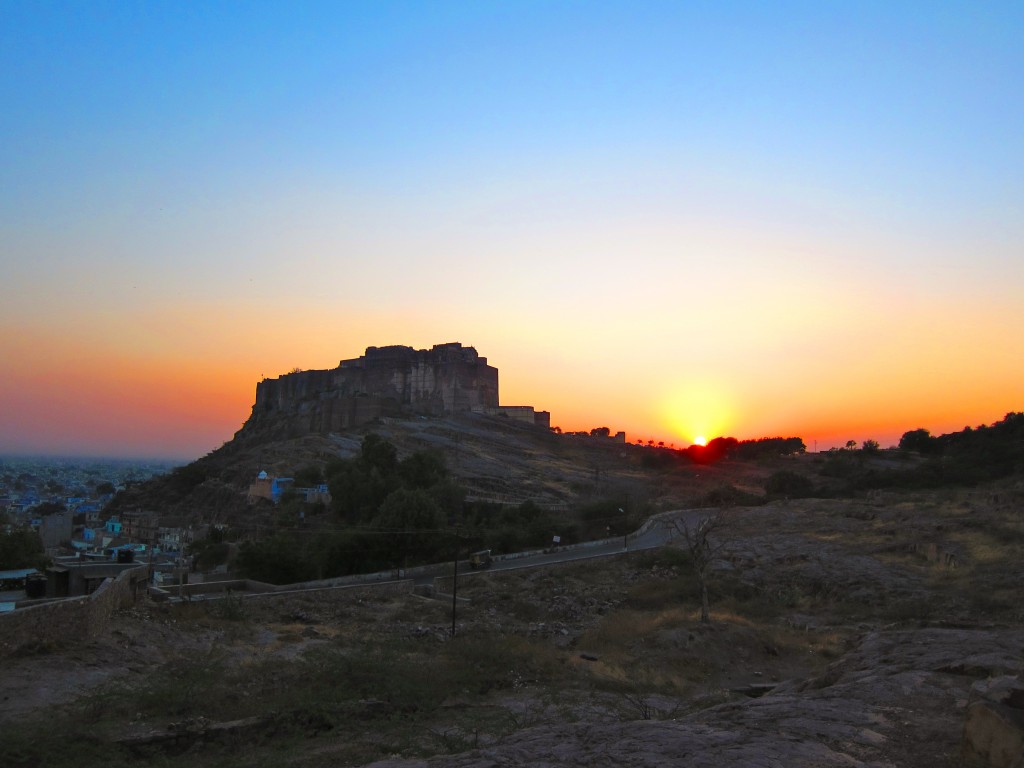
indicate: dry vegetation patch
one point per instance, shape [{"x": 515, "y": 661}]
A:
[{"x": 331, "y": 679}]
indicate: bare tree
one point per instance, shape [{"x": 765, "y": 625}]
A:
[{"x": 703, "y": 542}]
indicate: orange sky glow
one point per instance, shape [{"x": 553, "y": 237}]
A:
[
  {"x": 101, "y": 392},
  {"x": 676, "y": 220}
]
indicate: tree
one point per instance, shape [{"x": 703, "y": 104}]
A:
[
  {"x": 919, "y": 440},
  {"x": 355, "y": 495},
  {"x": 716, "y": 449},
  {"x": 423, "y": 469},
  {"x": 21, "y": 548},
  {"x": 450, "y": 498},
  {"x": 211, "y": 551},
  {"x": 184, "y": 479},
  {"x": 413, "y": 519},
  {"x": 408, "y": 510},
  {"x": 870, "y": 446},
  {"x": 48, "y": 508},
  {"x": 279, "y": 559},
  {"x": 309, "y": 476},
  {"x": 359, "y": 485},
  {"x": 768, "y": 447},
  {"x": 703, "y": 549},
  {"x": 379, "y": 454}
]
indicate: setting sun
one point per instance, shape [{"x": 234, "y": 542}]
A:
[{"x": 698, "y": 408}]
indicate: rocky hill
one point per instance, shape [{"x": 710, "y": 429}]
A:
[
  {"x": 444, "y": 399},
  {"x": 494, "y": 457}
]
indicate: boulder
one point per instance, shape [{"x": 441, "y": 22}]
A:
[{"x": 994, "y": 729}]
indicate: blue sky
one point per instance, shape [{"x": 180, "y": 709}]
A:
[{"x": 754, "y": 194}]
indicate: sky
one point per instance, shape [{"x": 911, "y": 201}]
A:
[{"x": 680, "y": 220}]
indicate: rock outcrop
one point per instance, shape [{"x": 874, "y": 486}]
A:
[
  {"x": 994, "y": 730},
  {"x": 896, "y": 700}
]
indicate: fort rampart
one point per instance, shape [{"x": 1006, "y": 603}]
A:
[{"x": 385, "y": 381}]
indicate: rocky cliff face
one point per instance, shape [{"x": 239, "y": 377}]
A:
[{"x": 386, "y": 381}]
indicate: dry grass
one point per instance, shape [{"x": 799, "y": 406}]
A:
[
  {"x": 383, "y": 687},
  {"x": 625, "y": 627}
]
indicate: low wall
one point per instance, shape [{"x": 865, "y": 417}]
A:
[
  {"x": 383, "y": 589},
  {"x": 75, "y": 618},
  {"x": 248, "y": 588}
]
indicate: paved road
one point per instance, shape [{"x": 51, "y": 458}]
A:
[{"x": 656, "y": 533}]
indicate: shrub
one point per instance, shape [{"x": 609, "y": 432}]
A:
[
  {"x": 729, "y": 496},
  {"x": 788, "y": 484}
]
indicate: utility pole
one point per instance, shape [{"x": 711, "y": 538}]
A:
[
  {"x": 455, "y": 579},
  {"x": 152, "y": 543}
]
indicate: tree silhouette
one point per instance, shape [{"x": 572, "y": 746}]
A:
[
  {"x": 703, "y": 543},
  {"x": 919, "y": 440}
]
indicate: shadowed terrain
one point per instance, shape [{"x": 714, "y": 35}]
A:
[{"x": 844, "y": 632}]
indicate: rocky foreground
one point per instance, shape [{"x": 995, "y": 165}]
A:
[
  {"x": 899, "y": 699},
  {"x": 875, "y": 632}
]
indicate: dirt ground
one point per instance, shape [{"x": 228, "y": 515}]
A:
[{"x": 843, "y": 632}]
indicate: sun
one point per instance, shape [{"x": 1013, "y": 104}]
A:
[{"x": 697, "y": 408}]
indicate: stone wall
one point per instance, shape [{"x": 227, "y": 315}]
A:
[
  {"x": 76, "y": 618},
  {"x": 385, "y": 381},
  {"x": 249, "y": 588},
  {"x": 354, "y": 591},
  {"x": 524, "y": 413}
]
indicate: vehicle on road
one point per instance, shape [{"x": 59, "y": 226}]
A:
[{"x": 481, "y": 559}]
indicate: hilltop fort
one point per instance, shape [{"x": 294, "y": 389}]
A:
[{"x": 391, "y": 381}]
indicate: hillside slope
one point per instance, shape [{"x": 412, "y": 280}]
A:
[{"x": 494, "y": 458}]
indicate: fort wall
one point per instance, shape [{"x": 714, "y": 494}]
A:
[{"x": 385, "y": 381}]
